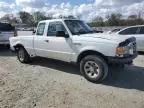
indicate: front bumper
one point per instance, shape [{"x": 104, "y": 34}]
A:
[{"x": 120, "y": 60}]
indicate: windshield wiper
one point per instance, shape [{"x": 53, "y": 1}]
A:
[
  {"x": 76, "y": 33},
  {"x": 82, "y": 32}
]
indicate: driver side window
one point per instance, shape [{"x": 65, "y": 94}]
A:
[{"x": 54, "y": 27}]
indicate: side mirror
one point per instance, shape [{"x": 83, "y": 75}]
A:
[
  {"x": 61, "y": 34},
  {"x": 34, "y": 31}
]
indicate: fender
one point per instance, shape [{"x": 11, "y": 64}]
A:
[{"x": 106, "y": 50}]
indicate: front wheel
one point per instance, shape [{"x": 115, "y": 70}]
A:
[
  {"x": 22, "y": 55},
  {"x": 94, "y": 68}
]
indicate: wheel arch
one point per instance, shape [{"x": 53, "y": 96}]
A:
[
  {"x": 90, "y": 52},
  {"x": 17, "y": 46}
]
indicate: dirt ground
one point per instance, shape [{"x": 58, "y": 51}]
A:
[{"x": 46, "y": 83}]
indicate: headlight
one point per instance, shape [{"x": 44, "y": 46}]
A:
[
  {"x": 126, "y": 48},
  {"x": 123, "y": 51},
  {"x": 130, "y": 49}
]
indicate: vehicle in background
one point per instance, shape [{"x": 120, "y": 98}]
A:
[
  {"x": 114, "y": 30},
  {"x": 25, "y": 29},
  {"x": 19, "y": 29},
  {"x": 137, "y": 32},
  {"x": 6, "y": 31},
  {"x": 28, "y": 29},
  {"x": 96, "y": 30},
  {"x": 74, "y": 41}
]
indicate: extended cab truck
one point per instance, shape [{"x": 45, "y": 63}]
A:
[{"x": 74, "y": 41}]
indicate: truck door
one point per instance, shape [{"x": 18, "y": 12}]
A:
[{"x": 57, "y": 47}]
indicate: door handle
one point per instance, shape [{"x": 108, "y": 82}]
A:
[
  {"x": 77, "y": 44},
  {"x": 47, "y": 41}
]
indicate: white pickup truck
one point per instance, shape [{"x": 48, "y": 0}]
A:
[{"x": 73, "y": 41}]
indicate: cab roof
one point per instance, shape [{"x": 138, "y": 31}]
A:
[{"x": 52, "y": 20}]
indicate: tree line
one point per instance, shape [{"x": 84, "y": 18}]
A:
[
  {"x": 23, "y": 17},
  {"x": 114, "y": 19}
]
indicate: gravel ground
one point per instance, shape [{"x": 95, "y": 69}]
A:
[{"x": 47, "y": 83}]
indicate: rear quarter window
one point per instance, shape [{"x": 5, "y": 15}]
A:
[
  {"x": 40, "y": 29},
  {"x": 6, "y": 27}
]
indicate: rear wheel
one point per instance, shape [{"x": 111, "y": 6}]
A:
[
  {"x": 94, "y": 68},
  {"x": 22, "y": 55}
]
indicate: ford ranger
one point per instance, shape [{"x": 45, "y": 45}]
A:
[{"x": 72, "y": 40}]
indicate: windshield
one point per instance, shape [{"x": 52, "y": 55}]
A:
[{"x": 78, "y": 27}]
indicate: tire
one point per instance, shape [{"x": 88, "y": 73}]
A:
[
  {"x": 94, "y": 68},
  {"x": 22, "y": 55}
]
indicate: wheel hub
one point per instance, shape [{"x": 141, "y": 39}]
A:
[{"x": 91, "y": 69}]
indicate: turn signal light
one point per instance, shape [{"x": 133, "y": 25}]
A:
[{"x": 120, "y": 50}]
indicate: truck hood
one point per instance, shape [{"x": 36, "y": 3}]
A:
[{"x": 112, "y": 37}]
